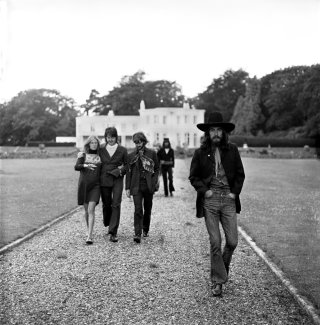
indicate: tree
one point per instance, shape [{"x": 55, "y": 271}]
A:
[
  {"x": 280, "y": 92},
  {"x": 93, "y": 103},
  {"x": 223, "y": 93},
  {"x": 125, "y": 99},
  {"x": 36, "y": 114}
]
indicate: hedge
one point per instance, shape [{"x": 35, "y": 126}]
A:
[
  {"x": 51, "y": 144},
  {"x": 273, "y": 142}
]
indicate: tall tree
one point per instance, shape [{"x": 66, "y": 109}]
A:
[
  {"x": 279, "y": 98},
  {"x": 223, "y": 93},
  {"x": 93, "y": 103},
  {"x": 35, "y": 115},
  {"x": 125, "y": 99}
]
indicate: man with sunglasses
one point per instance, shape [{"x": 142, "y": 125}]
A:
[{"x": 141, "y": 179}]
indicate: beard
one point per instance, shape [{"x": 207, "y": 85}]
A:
[{"x": 216, "y": 141}]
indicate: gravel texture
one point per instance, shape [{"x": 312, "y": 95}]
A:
[{"x": 54, "y": 278}]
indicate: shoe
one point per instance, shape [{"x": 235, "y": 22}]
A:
[
  {"x": 137, "y": 239},
  {"x": 145, "y": 234},
  {"x": 217, "y": 289},
  {"x": 113, "y": 238},
  {"x": 166, "y": 195},
  {"x": 89, "y": 242},
  {"x": 171, "y": 194}
]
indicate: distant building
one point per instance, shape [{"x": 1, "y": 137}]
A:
[{"x": 176, "y": 123}]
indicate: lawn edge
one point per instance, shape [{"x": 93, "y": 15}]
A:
[
  {"x": 42, "y": 228},
  {"x": 302, "y": 301}
]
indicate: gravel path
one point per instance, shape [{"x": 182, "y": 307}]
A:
[{"x": 54, "y": 278}]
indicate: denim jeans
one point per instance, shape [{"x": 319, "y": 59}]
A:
[
  {"x": 221, "y": 208},
  {"x": 142, "y": 209}
]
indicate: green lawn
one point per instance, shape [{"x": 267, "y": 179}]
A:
[
  {"x": 281, "y": 212},
  {"x": 33, "y": 192}
]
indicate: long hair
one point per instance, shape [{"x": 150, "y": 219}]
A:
[
  {"x": 86, "y": 145},
  {"x": 166, "y": 141},
  {"x": 206, "y": 142}
]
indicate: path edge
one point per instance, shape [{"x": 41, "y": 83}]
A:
[
  {"x": 42, "y": 228},
  {"x": 302, "y": 301}
]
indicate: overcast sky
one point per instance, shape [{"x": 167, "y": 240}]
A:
[{"x": 77, "y": 45}]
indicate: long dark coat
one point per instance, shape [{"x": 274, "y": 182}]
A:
[
  {"x": 110, "y": 173},
  {"x": 133, "y": 172},
  {"x": 202, "y": 169}
]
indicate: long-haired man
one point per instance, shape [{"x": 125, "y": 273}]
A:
[{"x": 217, "y": 174}]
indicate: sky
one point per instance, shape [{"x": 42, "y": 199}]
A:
[{"x": 78, "y": 45}]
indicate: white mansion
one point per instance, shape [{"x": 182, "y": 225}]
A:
[{"x": 176, "y": 123}]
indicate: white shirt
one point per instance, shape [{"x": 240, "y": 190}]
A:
[{"x": 111, "y": 149}]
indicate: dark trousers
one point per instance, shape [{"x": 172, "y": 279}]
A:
[
  {"x": 111, "y": 205},
  {"x": 167, "y": 173},
  {"x": 142, "y": 209}
]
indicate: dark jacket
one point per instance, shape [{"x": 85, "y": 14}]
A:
[
  {"x": 133, "y": 172},
  {"x": 202, "y": 169},
  {"x": 168, "y": 158},
  {"x": 109, "y": 170}
]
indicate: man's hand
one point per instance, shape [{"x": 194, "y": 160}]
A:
[
  {"x": 208, "y": 194},
  {"x": 128, "y": 193},
  {"x": 233, "y": 196}
]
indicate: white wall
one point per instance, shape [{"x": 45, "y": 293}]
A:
[{"x": 177, "y": 124}]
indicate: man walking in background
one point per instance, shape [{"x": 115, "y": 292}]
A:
[
  {"x": 166, "y": 159},
  {"x": 217, "y": 174},
  {"x": 141, "y": 179}
]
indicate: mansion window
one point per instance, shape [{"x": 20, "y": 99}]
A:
[
  {"x": 164, "y": 119},
  {"x": 178, "y": 119},
  {"x": 186, "y": 119},
  {"x": 187, "y": 138},
  {"x": 178, "y": 139},
  {"x": 195, "y": 140},
  {"x": 156, "y": 119},
  {"x": 195, "y": 120}
]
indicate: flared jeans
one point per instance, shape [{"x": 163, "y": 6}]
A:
[{"x": 220, "y": 208}]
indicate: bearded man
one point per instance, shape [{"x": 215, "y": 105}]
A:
[{"x": 217, "y": 174}]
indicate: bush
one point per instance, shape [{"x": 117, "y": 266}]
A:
[
  {"x": 50, "y": 144},
  {"x": 273, "y": 142}
]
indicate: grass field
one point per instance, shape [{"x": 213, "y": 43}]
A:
[
  {"x": 33, "y": 192},
  {"x": 280, "y": 207},
  {"x": 281, "y": 212}
]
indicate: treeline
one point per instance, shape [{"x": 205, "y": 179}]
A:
[
  {"x": 285, "y": 103},
  {"x": 290, "y": 101},
  {"x": 37, "y": 115}
]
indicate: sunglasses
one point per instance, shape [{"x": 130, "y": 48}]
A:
[{"x": 137, "y": 141}]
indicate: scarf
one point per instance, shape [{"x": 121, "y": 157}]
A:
[
  {"x": 217, "y": 159},
  {"x": 147, "y": 163}
]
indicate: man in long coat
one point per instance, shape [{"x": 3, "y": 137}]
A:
[{"x": 217, "y": 174}]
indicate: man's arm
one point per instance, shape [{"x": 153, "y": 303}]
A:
[
  {"x": 195, "y": 174},
  {"x": 240, "y": 175}
]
